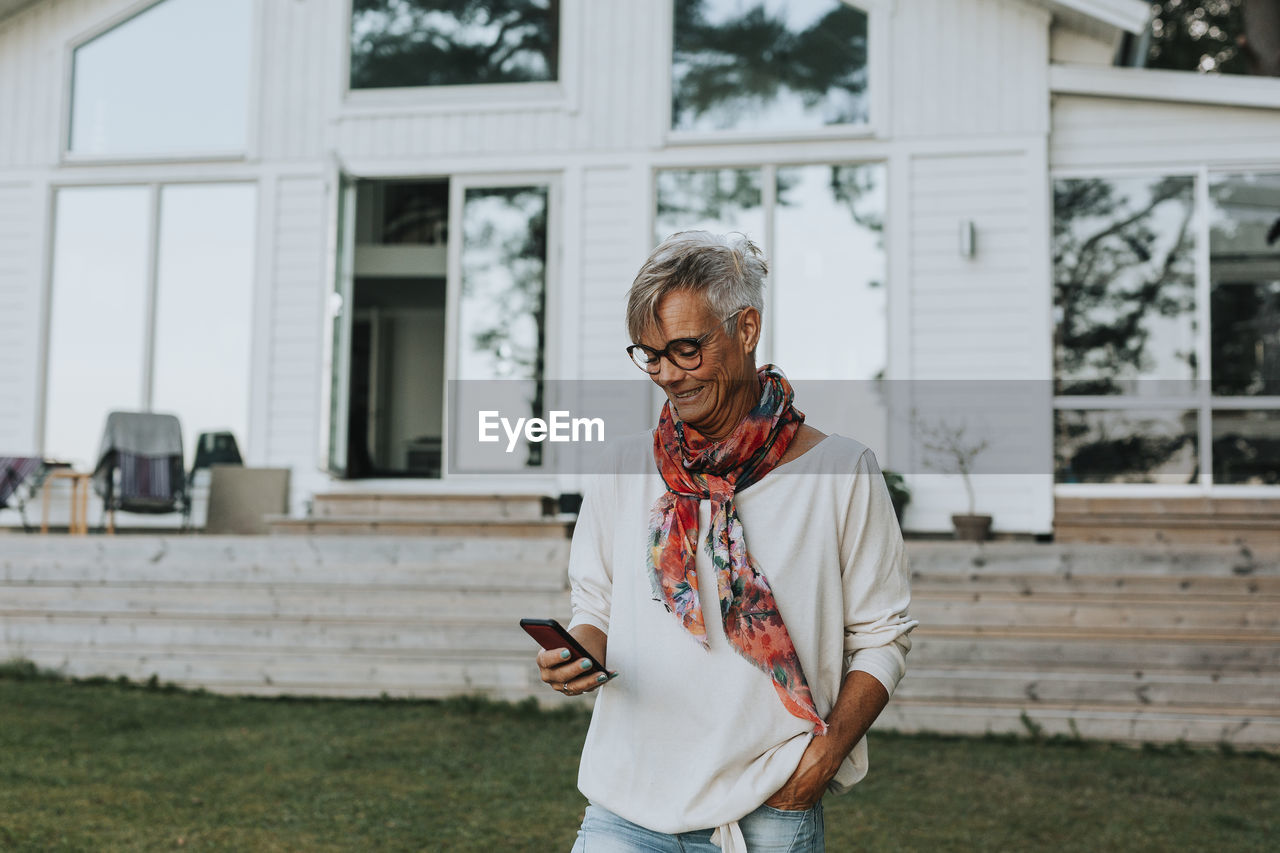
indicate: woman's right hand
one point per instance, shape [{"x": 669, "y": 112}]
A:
[{"x": 564, "y": 673}]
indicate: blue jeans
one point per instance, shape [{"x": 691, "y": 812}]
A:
[{"x": 766, "y": 830}]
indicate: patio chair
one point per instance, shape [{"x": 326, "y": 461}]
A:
[
  {"x": 140, "y": 467},
  {"x": 214, "y": 448},
  {"x": 15, "y": 472}
]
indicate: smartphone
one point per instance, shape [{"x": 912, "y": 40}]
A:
[{"x": 551, "y": 635}]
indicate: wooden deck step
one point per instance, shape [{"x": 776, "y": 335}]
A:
[
  {"x": 1116, "y": 643},
  {"x": 1251, "y": 522},
  {"x": 1186, "y": 691},
  {"x": 1127, "y": 724},
  {"x": 461, "y": 507},
  {"x": 358, "y": 525}
]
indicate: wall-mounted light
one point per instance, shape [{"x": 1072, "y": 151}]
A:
[{"x": 968, "y": 241}]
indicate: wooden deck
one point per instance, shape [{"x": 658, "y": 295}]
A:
[
  {"x": 1245, "y": 522},
  {"x": 1123, "y": 643}
]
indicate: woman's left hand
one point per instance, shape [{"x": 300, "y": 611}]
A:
[{"x": 809, "y": 781}]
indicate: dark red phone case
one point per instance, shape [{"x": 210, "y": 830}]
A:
[{"x": 551, "y": 635}]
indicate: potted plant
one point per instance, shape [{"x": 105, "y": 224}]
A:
[
  {"x": 958, "y": 452},
  {"x": 899, "y": 494}
]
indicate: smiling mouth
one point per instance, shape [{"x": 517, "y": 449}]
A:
[{"x": 690, "y": 394}]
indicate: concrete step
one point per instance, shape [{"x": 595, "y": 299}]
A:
[
  {"x": 527, "y": 528},
  {"x": 460, "y": 507}
]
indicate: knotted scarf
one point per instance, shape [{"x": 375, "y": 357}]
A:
[{"x": 697, "y": 469}]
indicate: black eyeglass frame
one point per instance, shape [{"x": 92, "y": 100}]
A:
[{"x": 655, "y": 360}]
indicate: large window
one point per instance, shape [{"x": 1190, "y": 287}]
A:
[
  {"x": 768, "y": 65},
  {"x": 173, "y": 79},
  {"x": 821, "y": 228},
  {"x": 128, "y": 332},
  {"x": 502, "y": 323},
  {"x": 396, "y": 43},
  {"x": 1168, "y": 329}
]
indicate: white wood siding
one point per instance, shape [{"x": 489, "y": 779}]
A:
[
  {"x": 296, "y": 75},
  {"x": 298, "y": 290},
  {"x": 980, "y": 318},
  {"x": 968, "y": 67},
  {"x": 294, "y": 42},
  {"x": 970, "y": 315},
  {"x": 31, "y": 77},
  {"x": 613, "y": 223},
  {"x": 413, "y": 616},
  {"x": 21, "y": 213},
  {"x": 1106, "y": 132}
]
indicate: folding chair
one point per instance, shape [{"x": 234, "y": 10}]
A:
[
  {"x": 140, "y": 467},
  {"x": 15, "y": 471},
  {"x": 214, "y": 448}
]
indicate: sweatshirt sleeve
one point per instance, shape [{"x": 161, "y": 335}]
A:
[
  {"x": 875, "y": 580},
  {"x": 590, "y": 554}
]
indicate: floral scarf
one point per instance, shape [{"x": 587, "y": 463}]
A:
[{"x": 696, "y": 469}]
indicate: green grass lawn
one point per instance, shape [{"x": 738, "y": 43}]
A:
[{"x": 107, "y": 766}]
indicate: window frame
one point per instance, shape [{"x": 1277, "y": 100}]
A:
[
  {"x": 253, "y": 98},
  {"x": 879, "y": 35},
  {"x": 154, "y": 187},
  {"x": 1202, "y": 400},
  {"x": 560, "y": 93},
  {"x": 768, "y": 168},
  {"x": 557, "y": 294}
]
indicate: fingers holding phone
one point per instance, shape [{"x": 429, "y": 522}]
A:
[
  {"x": 565, "y": 663},
  {"x": 569, "y": 675}
]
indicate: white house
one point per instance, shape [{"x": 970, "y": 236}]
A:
[{"x": 300, "y": 218}]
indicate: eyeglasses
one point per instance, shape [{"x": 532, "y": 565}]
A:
[{"x": 684, "y": 353}]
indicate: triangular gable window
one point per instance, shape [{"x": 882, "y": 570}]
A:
[{"x": 173, "y": 79}]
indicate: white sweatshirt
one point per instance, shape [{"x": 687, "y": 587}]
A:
[{"x": 687, "y": 738}]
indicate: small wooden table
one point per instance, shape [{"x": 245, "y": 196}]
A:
[{"x": 79, "y": 523}]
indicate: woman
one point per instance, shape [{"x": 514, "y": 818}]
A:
[{"x": 744, "y": 575}]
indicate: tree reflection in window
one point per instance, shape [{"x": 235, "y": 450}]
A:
[
  {"x": 716, "y": 200},
  {"x": 503, "y": 306},
  {"x": 1124, "y": 284},
  {"x": 1211, "y": 36},
  {"x": 1246, "y": 447},
  {"x": 768, "y": 65},
  {"x": 1244, "y": 268},
  {"x": 1125, "y": 447},
  {"x": 453, "y": 42}
]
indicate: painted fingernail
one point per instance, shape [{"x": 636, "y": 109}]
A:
[
  {"x": 586, "y": 664},
  {"x": 602, "y": 678},
  {"x": 564, "y": 654}
]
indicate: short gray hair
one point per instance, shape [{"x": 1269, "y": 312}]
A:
[{"x": 727, "y": 270}]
